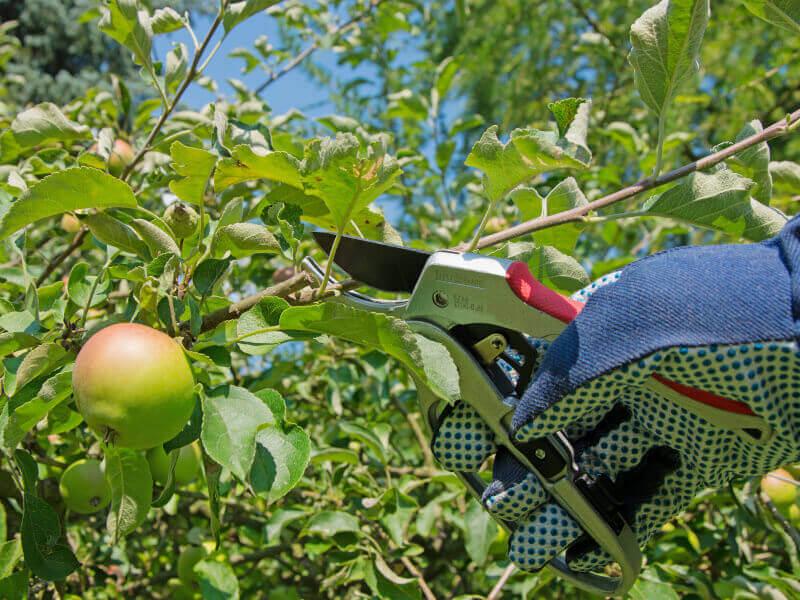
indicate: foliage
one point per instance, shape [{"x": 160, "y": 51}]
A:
[{"x": 316, "y": 478}]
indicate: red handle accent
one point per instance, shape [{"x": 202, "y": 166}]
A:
[
  {"x": 704, "y": 397},
  {"x": 536, "y": 294}
]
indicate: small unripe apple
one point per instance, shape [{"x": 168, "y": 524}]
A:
[
  {"x": 496, "y": 224},
  {"x": 186, "y": 468},
  {"x": 133, "y": 385},
  {"x": 186, "y": 562},
  {"x": 182, "y": 219},
  {"x": 70, "y": 223},
  {"x": 84, "y": 488},
  {"x": 782, "y": 493},
  {"x": 121, "y": 156}
]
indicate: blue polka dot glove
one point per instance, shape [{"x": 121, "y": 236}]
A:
[{"x": 680, "y": 373}]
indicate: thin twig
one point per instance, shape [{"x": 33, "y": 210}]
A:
[
  {"x": 55, "y": 262},
  {"x": 497, "y": 590},
  {"x": 314, "y": 46},
  {"x": 577, "y": 214},
  {"x": 282, "y": 289},
  {"x": 187, "y": 80},
  {"x": 423, "y": 585}
]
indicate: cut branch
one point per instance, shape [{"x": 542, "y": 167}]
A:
[{"x": 777, "y": 129}]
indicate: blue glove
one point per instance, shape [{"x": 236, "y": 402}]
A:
[{"x": 680, "y": 373}]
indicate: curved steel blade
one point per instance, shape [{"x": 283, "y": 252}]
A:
[{"x": 382, "y": 266}]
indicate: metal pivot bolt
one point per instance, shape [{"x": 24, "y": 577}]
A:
[
  {"x": 540, "y": 453},
  {"x": 440, "y": 299}
]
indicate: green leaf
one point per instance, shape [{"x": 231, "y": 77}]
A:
[
  {"x": 10, "y": 342},
  {"x": 720, "y": 200},
  {"x": 564, "y": 196},
  {"x": 328, "y": 523},
  {"x": 80, "y": 285},
  {"x": 15, "y": 587},
  {"x": 529, "y": 153},
  {"x": 244, "y": 239},
  {"x": 128, "y": 475},
  {"x": 38, "y": 362},
  {"x": 282, "y": 453},
  {"x": 429, "y": 360},
  {"x": 44, "y": 547},
  {"x": 10, "y": 554},
  {"x": 124, "y": 22},
  {"x": 781, "y": 13},
  {"x": 158, "y": 240},
  {"x": 785, "y": 176},
  {"x": 247, "y": 164},
  {"x": 550, "y": 266},
  {"x": 754, "y": 163},
  {"x": 396, "y": 510},
  {"x": 336, "y": 455},
  {"x": 217, "y": 580},
  {"x": 347, "y": 177},
  {"x": 385, "y": 583},
  {"x": 166, "y": 20},
  {"x": 646, "y": 589},
  {"x": 45, "y": 123},
  {"x": 232, "y": 416},
  {"x": 191, "y": 431},
  {"x": 208, "y": 273},
  {"x": 68, "y": 190},
  {"x": 21, "y": 414},
  {"x": 286, "y": 217},
  {"x": 367, "y": 437},
  {"x": 564, "y": 111},
  {"x": 263, "y": 315},
  {"x": 115, "y": 233},
  {"x": 239, "y": 11},
  {"x": 666, "y": 43},
  {"x": 479, "y": 532},
  {"x": 195, "y": 166}
]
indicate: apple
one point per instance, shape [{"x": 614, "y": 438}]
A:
[
  {"x": 186, "y": 468},
  {"x": 133, "y": 385},
  {"x": 84, "y": 488}
]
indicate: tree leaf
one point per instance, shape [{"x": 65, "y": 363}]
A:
[
  {"x": 263, "y": 315},
  {"x": 80, "y": 285},
  {"x": 785, "y": 176},
  {"x": 239, "y": 11},
  {"x": 232, "y": 416},
  {"x": 68, "y": 190},
  {"x": 245, "y": 239},
  {"x": 328, "y": 523},
  {"x": 20, "y": 415},
  {"x": 217, "y": 580},
  {"x": 131, "y": 485},
  {"x": 367, "y": 437},
  {"x": 208, "y": 273},
  {"x": 124, "y": 22},
  {"x": 550, "y": 266},
  {"x": 165, "y": 20},
  {"x": 39, "y": 361},
  {"x": 720, "y": 200},
  {"x": 666, "y": 43},
  {"x": 46, "y": 551},
  {"x": 564, "y": 111},
  {"x": 10, "y": 554},
  {"x": 385, "y": 583},
  {"x": 479, "y": 532},
  {"x": 45, "y": 123},
  {"x": 564, "y": 196},
  {"x": 754, "y": 162},
  {"x": 247, "y": 164},
  {"x": 347, "y": 177},
  {"x": 781, "y": 13},
  {"x": 158, "y": 240},
  {"x": 15, "y": 587},
  {"x": 115, "y": 233},
  {"x": 195, "y": 166},
  {"x": 429, "y": 360},
  {"x": 282, "y": 453}
]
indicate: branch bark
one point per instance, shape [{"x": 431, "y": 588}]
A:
[
  {"x": 577, "y": 214},
  {"x": 55, "y": 262},
  {"x": 497, "y": 590}
]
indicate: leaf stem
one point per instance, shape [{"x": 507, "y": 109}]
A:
[
  {"x": 244, "y": 336},
  {"x": 473, "y": 245},
  {"x": 777, "y": 129},
  {"x": 662, "y": 126}
]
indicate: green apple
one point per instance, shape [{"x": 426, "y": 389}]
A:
[
  {"x": 182, "y": 219},
  {"x": 186, "y": 468},
  {"x": 133, "y": 385},
  {"x": 84, "y": 488},
  {"x": 782, "y": 493}
]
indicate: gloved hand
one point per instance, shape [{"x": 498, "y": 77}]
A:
[{"x": 681, "y": 373}]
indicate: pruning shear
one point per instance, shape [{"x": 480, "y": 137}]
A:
[{"x": 482, "y": 309}]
